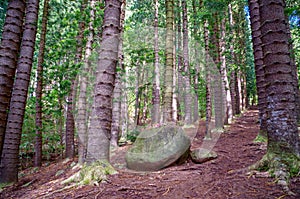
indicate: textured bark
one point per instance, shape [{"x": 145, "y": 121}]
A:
[
  {"x": 137, "y": 95},
  {"x": 197, "y": 64},
  {"x": 70, "y": 122},
  {"x": 227, "y": 109},
  {"x": 10, "y": 156},
  {"x": 233, "y": 85},
  {"x": 180, "y": 67},
  {"x": 156, "y": 82},
  {"x": 39, "y": 89},
  {"x": 9, "y": 49},
  {"x": 81, "y": 119},
  {"x": 101, "y": 117},
  {"x": 186, "y": 65},
  {"x": 281, "y": 96},
  {"x": 218, "y": 97},
  {"x": 258, "y": 60},
  {"x": 168, "y": 76},
  {"x": 208, "y": 82},
  {"x": 117, "y": 97}
]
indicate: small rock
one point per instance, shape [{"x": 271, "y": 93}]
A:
[{"x": 202, "y": 155}]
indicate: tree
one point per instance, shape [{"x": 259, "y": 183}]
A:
[
  {"x": 283, "y": 139},
  {"x": 117, "y": 97},
  {"x": 101, "y": 117},
  {"x": 208, "y": 82},
  {"x": 233, "y": 84},
  {"x": 258, "y": 59},
  {"x": 82, "y": 115},
  {"x": 9, "y": 50},
  {"x": 70, "y": 123},
  {"x": 168, "y": 87},
  {"x": 156, "y": 82},
  {"x": 186, "y": 76},
  {"x": 10, "y": 156},
  {"x": 227, "y": 105},
  {"x": 39, "y": 88}
]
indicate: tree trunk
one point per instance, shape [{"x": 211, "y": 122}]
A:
[
  {"x": 233, "y": 85},
  {"x": 81, "y": 120},
  {"x": 10, "y": 156},
  {"x": 168, "y": 87},
  {"x": 208, "y": 82},
  {"x": 186, "y": 76},
  {"x": 218, "y": 97},
  {"x": 117, "y": 97},
  {"x": 156, "y": 82},
  {"x": 197, "y": 63},
  {"x": 39, "y": 88},
  {"x": 137, "y": 95},
  {"x": 281, "y": 100},
  {"x": 70, "y": 122},
  {"x": 180, "y": 67},
  {"x": 9, "y": 52},
  {"x": 101, "y": 117},
  {"x": 225, "y": 85}
]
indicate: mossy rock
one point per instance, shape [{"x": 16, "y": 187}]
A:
[
  {"x": 157, "y": 148},
  {"x": 201, "y": 155}
]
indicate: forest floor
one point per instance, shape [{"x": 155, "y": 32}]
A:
[{"x": 220, "y": 178}]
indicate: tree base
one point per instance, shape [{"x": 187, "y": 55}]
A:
[
  {"x": 92, "y": 174},
  {"x": 281, "y": 166}
]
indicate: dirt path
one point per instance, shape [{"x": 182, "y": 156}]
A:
[{"x": 218, "y": 179}]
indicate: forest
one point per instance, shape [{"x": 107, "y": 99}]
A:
[{"x": 149, "y": 99}]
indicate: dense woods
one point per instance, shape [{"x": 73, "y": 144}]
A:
[{"x": 82, "y": 78}]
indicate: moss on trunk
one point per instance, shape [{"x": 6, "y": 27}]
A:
[
  {"x": 92, "y": 174},
  {"x": 282, "y": 166}
]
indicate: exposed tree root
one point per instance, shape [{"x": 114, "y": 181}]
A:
[
  {"x": 91, "y": 174},
  {"x": 281, "y": 166}
]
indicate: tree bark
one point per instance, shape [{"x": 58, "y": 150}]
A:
[
  {"x": 197, "y": 63},
  {"x": 217, "y": 82},
  {"x": 208, "y": 82},
  {"x": 258, "y": 60},
  {"x": 101, "y": 117},
  {"x": 39, "y": 89},
  {"x": 281, "y": 96},
  {"x": 70, "y": 122},
  {"x": 233, "y": 85},
  {"x": 168, "y": 87},
  {"x": 117, "y": 97},
  {"x": 227, "y": 109},
  {"x": 156, "y": 82},
  {"x": 10, "y": 156},
  {"x": 82, "y": 115},
  {"x": 180, "y": 67},
  {"x": 9, "y": 51},
  {"x": 186, "y": 76}
]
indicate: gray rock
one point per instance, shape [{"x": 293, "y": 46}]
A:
[
  {"x": 157, "y": 148},
  {"x": 201, "y": 155}
]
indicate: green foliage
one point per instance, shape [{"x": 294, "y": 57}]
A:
[
  {"x": 260, "y": 138},
  {"x": 3, "y": 7},
  {"x": 132, "y": 135},
  {"x": 4, "y": 185}
]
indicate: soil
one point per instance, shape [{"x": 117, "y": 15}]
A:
[{"x": 224, "y": 177}]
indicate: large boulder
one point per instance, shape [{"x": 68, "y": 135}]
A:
[{"x": 157, "y": 148}]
